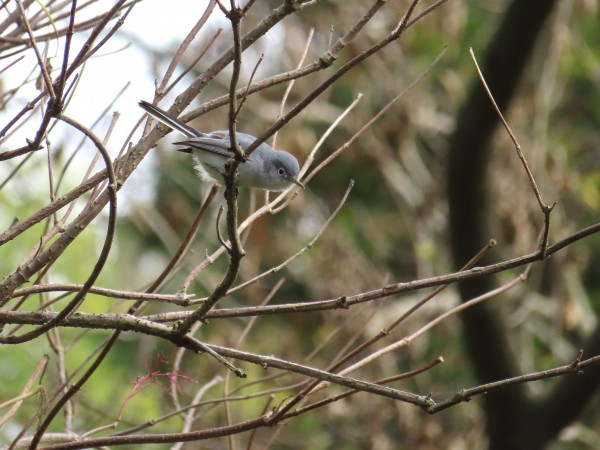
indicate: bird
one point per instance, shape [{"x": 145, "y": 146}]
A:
[{"x": 265, "y": 168}]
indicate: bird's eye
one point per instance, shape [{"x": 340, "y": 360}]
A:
[{"x": 281, "y": 171}]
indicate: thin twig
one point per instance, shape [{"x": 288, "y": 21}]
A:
[
  {"x": 300, "y": 106},
  {"x": 62, "y": 78},
  {"x": 464, "y": 395},
  {"x": 347, "y": 393},
  {"x": 48, "y": 256},
  {"x": 176, "y": 299},
  {"x": 239, "y": 342},
  {"x": 389, "y": 328},
  {"x": 546, "y": 209},
  {"x": 47, "y": 80},
  {"x": 290, "y": 85},
  {"x": 187, "y": 241},
  {"x": 195, "y": 61},
  {"x": 160, "y": 89},
  {"x": 245, "y": 96},
  {"x": 302, "y": 250},
  {"x": 25, "y": 392},
  {"x": 404, "y": 342},
  {"x": 9, "y": 65},
  {"x": 367, "y": 125}
]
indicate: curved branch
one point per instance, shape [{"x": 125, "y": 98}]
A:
[{"x": 55, "y": 250}]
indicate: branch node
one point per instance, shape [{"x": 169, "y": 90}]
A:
[
  {"x": 577, "y": 361},
  {"x": 548, "y": 208},
  {"x": 327, "y": 59},
  {"x": 461, "y": 396},
  {"x": 342, "y": 302},
  {"x": 294, "y": 4},
  {"x": 240, "y": 373}
]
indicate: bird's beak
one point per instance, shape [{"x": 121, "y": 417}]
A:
[{"x": 296, "y": 182}]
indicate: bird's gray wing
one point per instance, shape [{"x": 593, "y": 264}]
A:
[
  {"x": 245, "y": 140},
  {"x": 213, "y": 143},
  {"x": 216, "y": 142}
]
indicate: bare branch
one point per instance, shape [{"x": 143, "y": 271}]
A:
[{"x": 546, "y": 209}]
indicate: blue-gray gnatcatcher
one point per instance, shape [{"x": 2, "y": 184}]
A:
[{"x": 266, "y": 168}]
